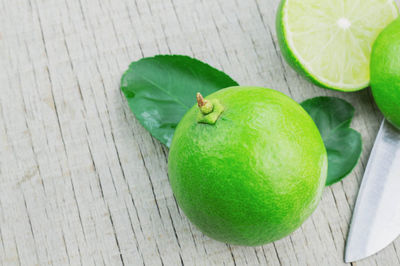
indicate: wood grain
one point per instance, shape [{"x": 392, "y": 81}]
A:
[{"x": 81, "y": 182}]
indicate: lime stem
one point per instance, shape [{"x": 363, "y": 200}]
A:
[{"x": 205, "y": 106}]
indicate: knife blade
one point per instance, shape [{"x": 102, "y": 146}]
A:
[{"x": 376, "y": 217}]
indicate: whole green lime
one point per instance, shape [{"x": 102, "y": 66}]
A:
[
  {"x": 385, "y": 72},
  {"x": 248, "y": 166}
]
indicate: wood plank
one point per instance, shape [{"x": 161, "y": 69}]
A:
[{"x": 83, "y": 183}]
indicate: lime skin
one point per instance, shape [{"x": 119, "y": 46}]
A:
[
  {"x": 255, "y": 175},
  {"x": 385, "y": 72}
]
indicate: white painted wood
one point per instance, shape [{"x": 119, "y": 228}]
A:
[{"x": 81, "y": 182}]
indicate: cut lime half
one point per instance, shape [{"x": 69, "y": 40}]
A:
[{"x": 329, "y": 41}]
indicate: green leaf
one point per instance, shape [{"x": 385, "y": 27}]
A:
[
  {"x": 343, "y": 144},
  {"x": 161, "y": 89}
]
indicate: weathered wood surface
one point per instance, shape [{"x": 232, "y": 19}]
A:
[{"x": 81, "y": 182}]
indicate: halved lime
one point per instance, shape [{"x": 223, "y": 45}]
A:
[{"x": 329, "y": 41}]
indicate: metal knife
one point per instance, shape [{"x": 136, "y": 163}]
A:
[{"x": 376, "y": 218}]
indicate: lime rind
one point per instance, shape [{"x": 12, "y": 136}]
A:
[
  {"x": 385, "y": 69},
  {"x": 332, "y": 49}
]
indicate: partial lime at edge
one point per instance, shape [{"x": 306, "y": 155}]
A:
[{"x": 385, "y": 72}]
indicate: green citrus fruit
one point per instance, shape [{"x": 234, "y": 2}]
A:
[
  {"x": 385, "y": 72},
  {"x": 329, "y": 41},
  {"x": 250, "y": 169}
]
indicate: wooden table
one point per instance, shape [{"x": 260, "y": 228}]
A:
[{"x": 81, "y": 182}]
